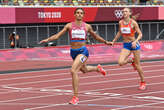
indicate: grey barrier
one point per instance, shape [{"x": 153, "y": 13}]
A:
[{"x": 31, "y": 35}]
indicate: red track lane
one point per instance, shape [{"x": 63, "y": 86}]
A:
[
  {"x": 51, "y": 90},
  {"x": 32, "y": 64}
]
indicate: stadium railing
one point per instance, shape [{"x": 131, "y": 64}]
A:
[{"x": 31, "y": 35}]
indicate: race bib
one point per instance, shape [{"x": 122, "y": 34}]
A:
[
  {"x": 125, "y": 30},
  {"x": 78, "y": 34}
]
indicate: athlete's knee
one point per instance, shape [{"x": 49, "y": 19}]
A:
[
  {"x": 83, "y": 70},
  {"x": 73, "y": 72},
  {"x": 121, "y": 63},
  {"x": 137, "y": 65}
]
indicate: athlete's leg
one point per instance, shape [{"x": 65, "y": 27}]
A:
[
  {"x": 123, "y": 58},
  {"x": 136, "y": 54},
  {"x": 97, "y": 68},
  {"x": 77, "y": 64},
  {"x": 139, "y": 69},
  {"x": 86, "y": 68}
]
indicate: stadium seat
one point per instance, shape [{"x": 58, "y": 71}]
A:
[
  {"x": 158, "y": 2},
  {"x": 36, "y": 3},
  {"x": 68, "y": 3},
  {"x": 59, "y": 2},
  {"x": 74, "y": 2},
  {"x": 107, "y": 2},
  {"x": 5, "y": 2},
  {"x": 29, "y": 2},
  {"x": 97, "y": 2},
  {"x": 15, "y": 3},
  {"x": 118, "y": 2},
  {"x": 82, "y": 2},
  {"x": 65, "y": 2},
  {"x": 41, "y": 2},
  {"x": 92, "y": 2}
]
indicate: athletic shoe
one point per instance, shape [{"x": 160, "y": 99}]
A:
[
  {"x": 101, "y": 70},
  {"x": 142, "y": 86},
  {"x": 74, "y": 101},
  {"x": 133, "y": 64}
]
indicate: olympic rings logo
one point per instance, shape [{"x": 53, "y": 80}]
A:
[{"x": 118, "y": 13}]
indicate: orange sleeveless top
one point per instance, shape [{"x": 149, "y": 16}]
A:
[{"x": 127, "y": 30}]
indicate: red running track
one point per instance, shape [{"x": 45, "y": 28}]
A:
[{"x": 52, "y": 89}]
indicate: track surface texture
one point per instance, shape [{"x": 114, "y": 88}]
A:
[{"x": 51, "y": 89}]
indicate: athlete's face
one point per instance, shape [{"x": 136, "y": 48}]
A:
[
  {"x": 79, "y": 14},
  {"x": 126, "y": 12}
]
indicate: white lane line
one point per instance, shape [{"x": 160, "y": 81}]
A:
[
  {"x": 100, "y": 82},
  {"x": 24, "y": 103},
  {"x": 138, "y": 106},
  {"x": 15, "y": 88},
  {"x": 111, "y": 65},
  {"x": 8, "y": 92},
  {"x": 97, "y": 99},
  {"x": 85, "y": 92},
  {"x": 64, "y": 79},
  {"x": 82, "y": 84},
  {"x": 29, "y": 98},
  {"x": 62, "y": 74},
  {"x": 88, "y": 83},
  {"x": 20, "y": 99},
  {"x": 52, "y": 105},
  {"x": 121, "y": 87}
]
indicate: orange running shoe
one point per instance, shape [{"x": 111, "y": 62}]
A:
[
  {"x": 74, "y": 101},
  {"x": 142, "y": 86},
  {"x": 133, "y": 64},
  {"x": 101, "y": 70}
]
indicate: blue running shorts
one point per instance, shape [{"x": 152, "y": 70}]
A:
[
  {"x": 128, "y": 46},
  {"x": 83, "y": 50}
]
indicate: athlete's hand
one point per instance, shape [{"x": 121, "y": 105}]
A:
[
  {"x": 110, "y": 43},
  {"x": 43, "y": 41},
  {"x": 134, "y": 44}
]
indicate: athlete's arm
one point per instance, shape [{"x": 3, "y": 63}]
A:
[
  {"x": 138, "y": 31},
  {"x": 117, "y": 35},
  {"x": 58, "y": 35},
  {"x": 136, "y": 27},
  {"x": 94, "y": 35}
]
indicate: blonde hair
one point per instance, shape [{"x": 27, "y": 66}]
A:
[{"x": 133, "y": 16}]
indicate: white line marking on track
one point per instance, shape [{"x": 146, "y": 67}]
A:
[
  {"x": 15, "y": 88},
  {"x": 100, "y": 82},
  {"x": 25, "y": 77},
  {"x": 149, "y": 62},
  {"x": 8, "y": 91},
  {"x": 81, "y": 101},
  {"x": 154, "y": 107},
  {"x": 48, "y": 96},
  {"x": 64, "y": 79},
  {"x": 27, "y": 98},
  {"x": 91, "y": 82},
  {"x": 23, "y": 103},
  {"x": 20, "y": 99},
  {"x": 53, "y": 105},
  {"x": 121, "y": 87},
  {"x": 136, "y": 106},
  {"x": 98, "y": 99}
]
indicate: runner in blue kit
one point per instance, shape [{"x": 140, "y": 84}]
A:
[
  {"x": 79, "y": 52},
  {"x": 127, "y": 29}
]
